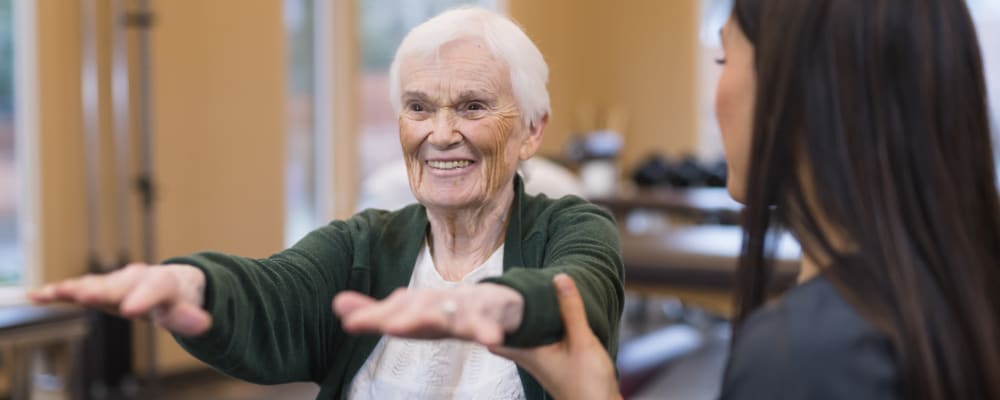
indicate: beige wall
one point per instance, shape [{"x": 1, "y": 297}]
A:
[
  {"x": 654, "y": 77},
  {"x": 219, "y": 81},
  {"x": 60, "y": 140},
  {"x": 636, "y": 56},
  {"x": 569, "y": 33},
  {"x": 219, "y": 122},
  {"x": 218, "y": 76}
]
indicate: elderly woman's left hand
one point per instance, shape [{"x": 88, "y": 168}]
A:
[{"x": 482, "y": 313}]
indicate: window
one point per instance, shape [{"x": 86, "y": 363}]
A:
[
  {"x": 301, "y": 193},
  {"x": 11, "y": 252},
  {"x": 714, "y": 14},
  {"x": 383, "y": 25},
  {"x": 987, "y": 16}
]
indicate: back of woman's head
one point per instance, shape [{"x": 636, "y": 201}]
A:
[{"x": 871, "y": 136}]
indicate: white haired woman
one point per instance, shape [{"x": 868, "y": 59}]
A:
[{"x": 474, "y": 260}]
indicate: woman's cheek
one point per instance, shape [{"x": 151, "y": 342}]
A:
[
  {"x": 410, "y": 142},
  {"x": 500, "y": 131},
  {"x": 408, "y": 138}
]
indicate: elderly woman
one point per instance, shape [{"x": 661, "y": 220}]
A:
[{"x": 474, "y": 260}]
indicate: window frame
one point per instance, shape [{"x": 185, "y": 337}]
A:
[{"x": 26, "y": 149}]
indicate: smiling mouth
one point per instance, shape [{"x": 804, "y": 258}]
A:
[{"x": 448, "y": 165}]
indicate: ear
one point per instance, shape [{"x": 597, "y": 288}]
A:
[{"x": 533, "y": 139}]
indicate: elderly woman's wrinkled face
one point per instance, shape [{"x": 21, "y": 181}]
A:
[{"x": 460, "y": 126}]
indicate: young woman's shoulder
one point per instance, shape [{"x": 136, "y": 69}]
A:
[{"x": 811, "y": 344}]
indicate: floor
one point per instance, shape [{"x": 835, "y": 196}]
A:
[
  {"x": 695, "y": 377},
  {"x": 215, "y": 386}
]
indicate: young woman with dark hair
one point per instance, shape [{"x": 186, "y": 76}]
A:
[{"x": 862, "y": 127}]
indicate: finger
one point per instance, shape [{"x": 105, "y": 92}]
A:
[
  {"x": 70, "y": 290},
  {"x": 510, "y": 353},
  {"x": 489, "y": 334},
  {"x": 106, "y": 291},
  {"x": 118, "y": 284},
  {"x": 90, "y": 289},
  {"x": 66, "y": 290},
  {"x": 44, "y": 294},
  {"x": 465, "y": 325},
  {"x": 47, "y": 294},
  {"x": 531, "y": 359},
  {"x": 345, "y": 304},
  {"x": 157, "y": 287},
  {"x": 422, "y": 317},
  {"x": 370, "y": 317},
  {"x": 480, "y": 328},
  {"x": 185, "y": 319},
  {"x": 571, "y": 307}
]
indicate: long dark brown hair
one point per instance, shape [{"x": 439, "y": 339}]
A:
[{"x": 871, "y": 144}]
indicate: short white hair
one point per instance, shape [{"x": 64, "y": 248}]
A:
[{"x": 528, "y": 71}]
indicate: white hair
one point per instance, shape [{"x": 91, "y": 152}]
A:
[{"x": 528, "y": 71}]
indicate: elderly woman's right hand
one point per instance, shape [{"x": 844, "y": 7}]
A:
[{"x": 171, "y": 295}]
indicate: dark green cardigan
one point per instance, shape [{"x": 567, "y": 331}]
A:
[{"x": 272, "y": 320}]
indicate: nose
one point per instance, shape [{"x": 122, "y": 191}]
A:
[{"x": 444, "y": 134}]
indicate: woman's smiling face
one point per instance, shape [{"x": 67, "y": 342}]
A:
[{"x": 460, "y": 127}]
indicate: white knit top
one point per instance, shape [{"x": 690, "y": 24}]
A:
[{"x": 437, "y": 369}]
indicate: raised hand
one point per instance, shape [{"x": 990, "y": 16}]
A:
[{"x": 171, "y": 295}]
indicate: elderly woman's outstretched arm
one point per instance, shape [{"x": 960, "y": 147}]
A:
[
  {"x": 270, "y": 320},
  {"x": 583, "y": 242},
  {"x": 262, "y": 320}
]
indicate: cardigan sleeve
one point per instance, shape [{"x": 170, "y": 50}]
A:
[
  {"x": 271, "y": 318},
  {"x": 582, "y": 242}
]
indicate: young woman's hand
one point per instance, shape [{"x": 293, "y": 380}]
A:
[{"x": 578, "y": 367}]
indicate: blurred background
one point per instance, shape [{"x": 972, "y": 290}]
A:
[{"x": 134, "y": 130}]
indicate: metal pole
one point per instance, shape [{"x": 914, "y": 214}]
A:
[
  {"x": 142, "y": 20},
  {"x": 90, "y": 99},
  {"x": 123, "y": 140},
  {"x": 109, "y": 349},
  {"x": 121, "y": 103},
  {"x": 95, "y": 354}
]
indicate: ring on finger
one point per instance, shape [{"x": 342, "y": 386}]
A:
[{"x": 449, "y": 308}]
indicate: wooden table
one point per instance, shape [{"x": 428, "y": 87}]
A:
[
  {"x": 711, "y": 205},
  {"x": 697, "y": 263},
  {"x": 27, "y": 329}
]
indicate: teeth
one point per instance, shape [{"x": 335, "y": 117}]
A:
[{"x": 449, "y": 164}]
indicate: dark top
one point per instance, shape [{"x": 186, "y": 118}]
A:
[
  {"x": 272, "y": 321},
  {"x": 811, "y": 344}
]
